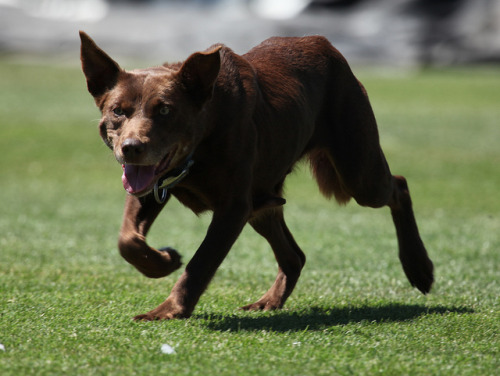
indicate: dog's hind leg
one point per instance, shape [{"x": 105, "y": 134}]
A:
[
  {"x": 349, "y": 162},
  {"x": 376, "y": 187},
  {"x": 138, "y": 217},
  {"x": 412, "y": 254},
  {"x": 271, "y": 225}
]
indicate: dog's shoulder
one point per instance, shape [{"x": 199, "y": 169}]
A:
[
  {"x": 293, "y": 51},
  {"x": 290, "y": 45}
]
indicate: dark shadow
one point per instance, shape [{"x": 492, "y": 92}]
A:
[{"x": 319, "y": 318}]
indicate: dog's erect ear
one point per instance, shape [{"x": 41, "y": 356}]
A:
[
  {"x": 199, "y": 72},
  {"x": 100, "y": 70}
]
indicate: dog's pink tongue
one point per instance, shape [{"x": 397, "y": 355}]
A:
[{"x": 137, "y": 178}]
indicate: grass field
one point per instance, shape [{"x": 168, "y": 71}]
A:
[{"x": 67, "y": 297}]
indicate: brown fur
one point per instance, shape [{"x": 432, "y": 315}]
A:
[{"x": 246, "y": 120}]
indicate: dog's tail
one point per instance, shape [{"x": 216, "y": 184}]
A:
[{"x": 328, "y": 179}]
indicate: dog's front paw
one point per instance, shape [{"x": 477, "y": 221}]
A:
[
  {"x": 168, "y": 310},
  {"x": 263, "y": 305},
  {"x": 160, "y": 263},
  {"x": 151, "y": 262},
  {"x": 174, "y": 259}
]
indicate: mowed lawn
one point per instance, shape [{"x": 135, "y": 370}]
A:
[{"x": 67, "y": 297}]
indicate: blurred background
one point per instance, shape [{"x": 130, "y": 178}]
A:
[{"x": 385, "y": 32}]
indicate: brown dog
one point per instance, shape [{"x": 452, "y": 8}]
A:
[{"x": 221, "y": 132}]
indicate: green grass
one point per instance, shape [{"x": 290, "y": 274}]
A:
[{"x": 67, "y": 298}]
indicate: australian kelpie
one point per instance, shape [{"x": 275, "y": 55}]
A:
[{"x": 220, "y": 132}]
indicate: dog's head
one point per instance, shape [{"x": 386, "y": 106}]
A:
[{"x": 152, "y": 118}]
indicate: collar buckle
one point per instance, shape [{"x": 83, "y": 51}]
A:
[{"x": 170, "y": 180}]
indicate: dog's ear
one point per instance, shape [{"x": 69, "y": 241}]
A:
[
  {"x": 100, "y": 70},
  {"x": 199, "y": 72}
]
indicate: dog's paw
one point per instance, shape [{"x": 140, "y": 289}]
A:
[
  {"x": 421, "y": 274},
  {"x": 174, "y": 256},
  {"x": 157, "y": 317},
  {"x": 168, "y": 262},
  {"x": 418, "y": 267},
  {"x": 262, "y": 305},
  {"x": 168, "y": 310},
  {"x": 160, "y": 263}
]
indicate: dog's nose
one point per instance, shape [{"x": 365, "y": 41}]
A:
[{"x": 132, "y": 148}]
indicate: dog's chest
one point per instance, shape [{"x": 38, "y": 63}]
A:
[{"x": 192, "y": 199}]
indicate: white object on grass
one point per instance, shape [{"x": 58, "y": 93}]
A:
[{"x": 167, "y": 349}]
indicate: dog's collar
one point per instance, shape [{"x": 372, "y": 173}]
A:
[{"x": 171, "y": 179}]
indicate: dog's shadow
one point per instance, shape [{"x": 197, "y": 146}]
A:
[{"x": 320, "y": 318}]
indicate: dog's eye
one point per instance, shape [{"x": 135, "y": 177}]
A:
[
  {"x": 118, "y": 111},
  {"x": 164, "y": 110}
]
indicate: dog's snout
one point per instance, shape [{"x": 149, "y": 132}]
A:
[{"x": 132, "y": 148}]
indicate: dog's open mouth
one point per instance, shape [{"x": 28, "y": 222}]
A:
[{"x": 139, "y": 180}]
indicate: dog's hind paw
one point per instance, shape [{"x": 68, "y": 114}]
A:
[{"x": 420, "y": 274}]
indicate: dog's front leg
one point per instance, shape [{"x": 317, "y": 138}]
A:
[
  {"x": 138, "y": 217},
  {"x": 224, "y": 229}
]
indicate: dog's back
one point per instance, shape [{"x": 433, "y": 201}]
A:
[{"x": 308, "y": 102}]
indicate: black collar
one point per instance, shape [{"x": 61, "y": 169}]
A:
[{"x": 171, "y": 179}]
